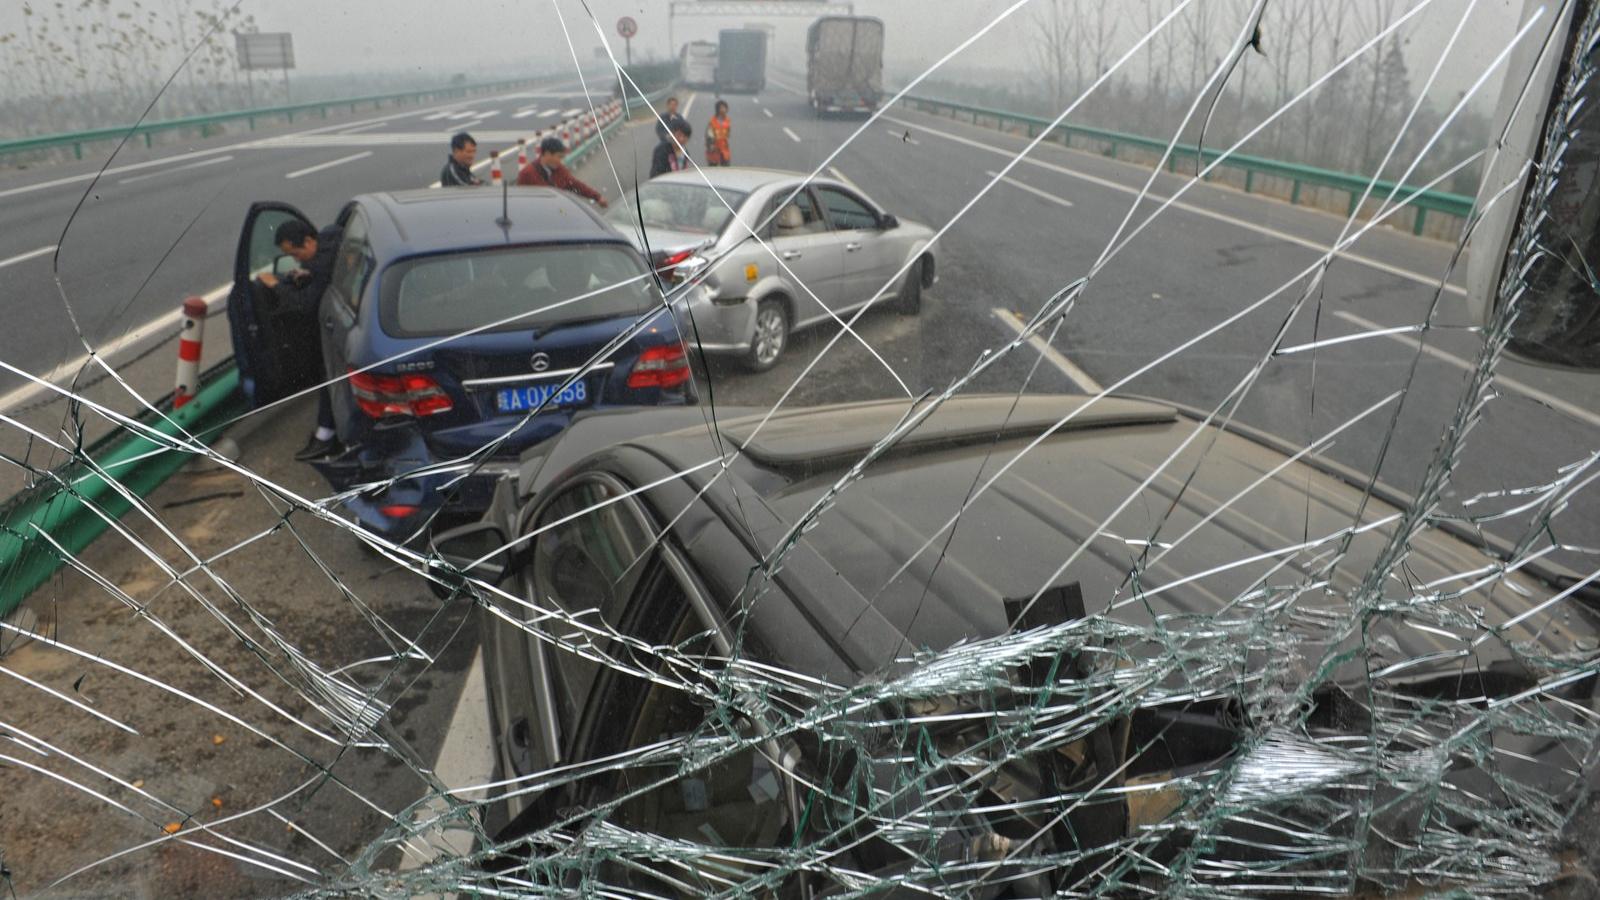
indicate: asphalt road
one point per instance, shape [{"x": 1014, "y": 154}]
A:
[{"x": 139, "y": 245}]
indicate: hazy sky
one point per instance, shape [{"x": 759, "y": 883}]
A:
[{"x": 485, "y": 35}]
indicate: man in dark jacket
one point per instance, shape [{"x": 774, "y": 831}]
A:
[
  {"x": 669, "y": 155},
  {"x": 669, "y": 118},
  {"x": 458, "y": 168},
  {"x": 547, "y": 171},
  {"x": 296, "y": 299}
]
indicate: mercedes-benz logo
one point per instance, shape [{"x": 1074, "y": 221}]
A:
[{"x": 540, "y": 362}]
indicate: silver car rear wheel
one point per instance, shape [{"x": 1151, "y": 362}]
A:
[{"x": 771, "y": 337}]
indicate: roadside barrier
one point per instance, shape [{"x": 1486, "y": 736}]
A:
[
  {"x": 494, "y": 169},
  {"x": 190, "y": 335},
  {"x": 522, "y": 154}
]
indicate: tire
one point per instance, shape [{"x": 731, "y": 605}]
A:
[
  {"x": 771, "y": 336},
  {"x": 909, "y": 303}
]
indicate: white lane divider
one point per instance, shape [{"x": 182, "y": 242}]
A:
[
  {"x": 843, "y": 177},
  {"x": 689, "y": 105},
  {"x": 548, "y": 112},
  {"x": 1428, "y": 280},
  {"x": 1056, "y": 358},
  {"x": 523, "y": 114},
  {"x": 792, "y": 136},
  {"x": 434, "y": 117},
  {"x": 1022, "y": 185},
  {"x": 330, "y": 164},
  {"x": 904, "y": 136},
  {"x": 1527, "y": 390},
  {"x": 160, "y": 328},
  {"x": 463, "y": 115},
  {"x": 466, "y": 760},
  {"x": 194, "y": 165},
  {"x": 364, "y": 128},
  {"x": 569, "y": 113},
  {"x": 24, "y": 257},
  {"x": 767, "y": 111}
]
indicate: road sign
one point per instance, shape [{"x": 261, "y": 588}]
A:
[
  {"x": 264, "y": 51},
  {"x": 627, "y": 27}
]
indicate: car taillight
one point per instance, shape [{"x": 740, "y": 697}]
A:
[
  {"x": 677, "y": 267},
  {"x": 398, "y": 510},
  {"x": 381, "y": 396},
  {"x": 660, "y": 367}
]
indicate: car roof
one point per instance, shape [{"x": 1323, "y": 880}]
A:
[
  {"x": 865, "y": 576},
  {"x": 441, "y": 220},
  {"x": 738, "y": 178}
]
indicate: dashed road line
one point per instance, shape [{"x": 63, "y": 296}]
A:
[
  {"x": 1043, "y": 195},
  {"x": 365, "y": 128},
  {"x": 903, "y": 136},
  {"x": 792, "y": 136},
  {"x": 569, "y": 113},
  {"x": 767, "y": 111},
  {"x": 843, "y": 177},
  {"x": 1068, "y": 368},
  {"x": 689, "y": 104},
  {"x": 1529, "y": 391},
  {"x": 330, "y": 164},
  {"x": 24, "y": 257},
  {"x": 1357, "y": 258},
  {"x": 194, "y": 165}
]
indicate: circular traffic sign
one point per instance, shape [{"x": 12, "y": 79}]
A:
[{"x": 627, "y": 27}]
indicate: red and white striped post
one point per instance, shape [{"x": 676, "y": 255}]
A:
[
  {"x": 494, "y": 168},
  {"x": 189, "y": 338},
  {"x": 522, "y": 154}
]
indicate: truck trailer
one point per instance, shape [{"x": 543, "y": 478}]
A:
[
  {"x": 844, "y": 64},
  {"x": 741, "y": 61}
]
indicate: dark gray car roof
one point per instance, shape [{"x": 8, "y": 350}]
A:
[
  {"x": 448, "y": 219},
  {"x": 866, "y": 577}
]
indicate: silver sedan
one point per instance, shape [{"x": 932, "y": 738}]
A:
[{"x": 782, "y": 254}]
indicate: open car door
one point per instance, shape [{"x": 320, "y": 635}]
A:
[{"x": 269, "y": 347}]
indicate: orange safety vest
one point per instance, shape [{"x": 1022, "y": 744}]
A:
[{"x": 717, "y": 131}]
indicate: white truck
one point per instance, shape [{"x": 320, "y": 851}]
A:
[
  {"x": 697, "y": 64},
  {"x": 844, "y": 64}
]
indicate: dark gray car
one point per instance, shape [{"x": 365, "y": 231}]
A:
[{"x": 1106, "y": 718}]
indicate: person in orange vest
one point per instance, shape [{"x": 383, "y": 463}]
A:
[{"x": 717, "y": 132}]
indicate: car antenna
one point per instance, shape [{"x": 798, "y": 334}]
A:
[{"x": 505, "y": 192}]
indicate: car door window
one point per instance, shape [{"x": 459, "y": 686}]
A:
[
  {"x": 799, "y": 216},
  {"x": 847, "y": 213},
  {"x": 736, "y": 800},
  {"x": 353, "y": 264},
  {"x": 586, "y": 564},
  {"x": 264, "y": 254}
]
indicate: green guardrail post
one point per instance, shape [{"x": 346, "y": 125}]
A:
[
  {"x": 147, "y": 141},
  {"x": 291, "y": 115},
  {"x": 1249, "y": 179},
  {"x": 1294, "y": 193},
  {"x": 1416, "y": 225},
  {"x": 1355, "y": 200},
  {"x": 77, "y": 151}
]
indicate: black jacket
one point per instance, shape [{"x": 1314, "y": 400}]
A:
[
  {"x": 661, "y": 159},
  {"x": 454, "y": 174},
  {"x": 301, "y": 294}
]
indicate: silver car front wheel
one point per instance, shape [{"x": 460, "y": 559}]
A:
[{"x": 771, "y": 337}]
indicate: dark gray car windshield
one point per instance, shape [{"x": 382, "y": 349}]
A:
[
  {"x": 513, "y": 289},
  {"x": 695, "y": 208}
]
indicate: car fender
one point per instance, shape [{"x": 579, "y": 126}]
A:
[{"x": 921, "y": 245}]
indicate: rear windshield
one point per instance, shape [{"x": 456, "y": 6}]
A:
[
  {"x": 519, "y": 287},
  {"x": 694, "y": 208}
]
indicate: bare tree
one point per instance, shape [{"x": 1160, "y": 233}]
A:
[{"x": 1055, "y": 44}]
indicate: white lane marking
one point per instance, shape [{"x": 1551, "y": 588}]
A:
[
  {"x": 24, "y": 257},
  {"x": 487, "y": 113},
  {"x": 1043, "y": 195},
  {"x": 194, "y": 165},
  {"x": 469, "y": 114},
  {"x": 266, "y": 143},
  {"x": 330, "y": 164},
  {"x": 1068, "y": 368},
  {"x": 689, "y": 105},
  {"x": 466, "y": 758},
  {"x": 365, "y": 128},
  {"x": 548, "y": 112},
  {"x": 167, "y": 324},
  {"x": 756, "y": 101},
  {"x": 792, "y": 136},
  {"x": 465, "y": 126},
  {"x": 767, "y": 111},
  {"x": 843, "y": 177},
  {"x": 1197, "y": 210},
  {"x": 523, "y": 114},
  {"x": 903, "y": 136},
  {"x": 1532, "y": 393},
  {"x": 434, "y": 117},
  {"x": 569, "y": 113}
]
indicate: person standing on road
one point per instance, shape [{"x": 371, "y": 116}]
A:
[
  {"x": 458, "y": 168},
  {"x": 669, "y": 155},
  {"x": 296, "y": 298},
  {"x": 547, "y": 171},
  {"x": 669, "y": 118},
  {"x": 718, "y": 131}
]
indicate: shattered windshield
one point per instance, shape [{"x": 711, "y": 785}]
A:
[{"x": 1179, "y": 479}]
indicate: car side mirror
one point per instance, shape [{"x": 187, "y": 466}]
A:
[
  {"x": 889, "y": 222},
  {"x": 476, "y": 551},
  {"x": 284, "y": 264}
]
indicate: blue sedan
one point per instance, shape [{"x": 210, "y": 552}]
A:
[{"x": 465, "y": 333}]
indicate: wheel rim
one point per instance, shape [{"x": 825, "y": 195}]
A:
[{"x": 769, "y": 335}]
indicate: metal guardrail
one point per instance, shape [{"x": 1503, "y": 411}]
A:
[
  {"x": 1423, "y": 201},
  {"x": 205, "y": 123}
]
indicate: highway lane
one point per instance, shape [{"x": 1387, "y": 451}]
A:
[{"x": 146, "y": 237}]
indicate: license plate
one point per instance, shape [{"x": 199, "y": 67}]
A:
[{"x": 523, "y": 399}]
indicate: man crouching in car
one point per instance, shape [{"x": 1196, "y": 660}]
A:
[{"x": 295, "y": 298}]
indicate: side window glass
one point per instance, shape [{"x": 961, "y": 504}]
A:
[
  {"x": 353, "y": 263},
  {"x": 587, "y": 566},
  {"x": 264, "y": 252},
  {"x": 799, "y": 216},
  {"x": 737, "y": 801},
  {"x": 846, "y": 212}
]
